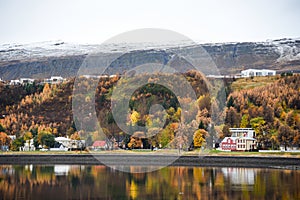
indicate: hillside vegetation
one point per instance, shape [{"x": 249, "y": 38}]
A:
[
  {"x": 270, "y": 105},
  {"x": 272, "y": 109}
]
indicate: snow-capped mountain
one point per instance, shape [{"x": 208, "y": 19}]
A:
[{"x": 40, "y": 60}]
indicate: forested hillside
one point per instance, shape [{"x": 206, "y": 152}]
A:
[
  {"x": 270, "y": 105},
  {"x": 48, "y": 109},
  {"x": 272, "y": 109}
]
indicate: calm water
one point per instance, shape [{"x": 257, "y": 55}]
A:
[{"x": 100, "y": 182}]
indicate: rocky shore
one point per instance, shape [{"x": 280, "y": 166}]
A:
[{"x": 153, "y": 160}]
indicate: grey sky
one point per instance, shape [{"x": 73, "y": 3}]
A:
[{"x": 94, "y": 21}]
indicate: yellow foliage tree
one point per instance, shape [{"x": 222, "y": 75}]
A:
[
  {"x": 136, "y": 140},
  {"x": 46, "y": 92},
  {"x": 135, "y": 117},
  {"x": 199, "y": 138},
  {"x": 4, "y": 139},
  {"x": 27, "y": 135}
]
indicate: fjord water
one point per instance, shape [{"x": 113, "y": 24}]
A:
[{"x": 101, "y": 182}]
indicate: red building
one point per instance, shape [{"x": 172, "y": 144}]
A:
[{"x": 229, "y": 144}]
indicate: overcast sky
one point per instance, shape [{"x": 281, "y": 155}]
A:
[{"x": 94, "y": 21}]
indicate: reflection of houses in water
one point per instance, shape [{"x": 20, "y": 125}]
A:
[
  {"x": 61, "y": 170},
  {"x": 64, "y": 170},
  {"x": 29, "y": 167},
  {"x": 7, "y": 170},
  {"x": 240, "y": 176}
]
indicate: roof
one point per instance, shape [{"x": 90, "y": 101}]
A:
[
  {"x": 259, "y": 70},
  {"x": 241, "y": 129},
  {"x": 232, "y": 138},
  {"x": 99, "y": 143},
  {"x": 62, "y": 139}
]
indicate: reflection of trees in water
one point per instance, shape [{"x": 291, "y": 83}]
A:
[{"x": 83, "y": 182}]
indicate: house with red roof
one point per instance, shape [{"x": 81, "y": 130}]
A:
[{"x": 100, "y": 144}]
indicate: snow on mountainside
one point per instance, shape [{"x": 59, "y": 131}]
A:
[
  {"x": 289, "y": 49},
  {"x": 40, "y": 60},
  {"x": 10, "y": 52}
]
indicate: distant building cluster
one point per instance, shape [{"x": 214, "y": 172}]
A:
[
  {"x": 247, "y": 74},
  {"x": 62, "y": 144},
  {"x": 88, "y": 76},
  {"x": 21, "y": 81},
  {"x": 54, "y": 80},
  {"x": 257, "y": 72},
  {"x": 24, "y": 81},
  {"x": 51, "y": 80}
]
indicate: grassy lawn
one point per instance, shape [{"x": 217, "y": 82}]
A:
[
  {"x": 217, "y": 152},
  {"x": 249, "y": 83}
]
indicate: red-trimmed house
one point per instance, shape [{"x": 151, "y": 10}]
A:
[
  {"x": 238, "y": 144},
  {"x": 228, "y": 144}
]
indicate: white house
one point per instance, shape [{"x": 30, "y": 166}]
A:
[
  {"x": 69, "y": 143},
  {"x": 242, "y": 132},
  {"x": 63, "y": 140},
  {"x": 54, "y": 80},
  {"x": 257, "y": 72},
  {"x": 245, "y": 144},
  {"x": 26, "y": 80},
  {"x": 14, "y": 82}
]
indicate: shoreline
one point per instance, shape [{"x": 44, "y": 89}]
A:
[{"x": 248, "y": 161}]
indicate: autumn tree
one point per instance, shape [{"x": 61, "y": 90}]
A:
[
  {"x": 245, "y": 121},
  {"x": 46, "y": 139},
  {"x": 75, "y": 136},
  {"x": 4, "y": 140},
  {"x": 46, "y": 92},
  {"x": 225, "y": 131},
  {"x": 17, "y": 143},
  {"x": 204, "y": 101},
  {"x": 232, "y": 117},
  {"x": 135, "y": 117},
  {"x": 166, "y": 136},
  {"x": 258, "y": 125},
  {"x": 290, "y": 119},
  {"x": 285, "y": 136},
  {"x": 230, "y": 102},
  {"x": 27, "y": 135},
  {"x": 2, "y": 129},
  {"x": 199, "y": 138},
  {"x": 136, "y": 140}
]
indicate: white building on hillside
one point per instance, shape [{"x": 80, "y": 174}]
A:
[
  {"x": 257, "y": 72},
  {"x": 26, "y": 80},
  {"x": 14, "y": 82},
  {"x": 54, "y": 80}
]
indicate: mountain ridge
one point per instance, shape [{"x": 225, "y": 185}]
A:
[{"x": 59, "y": 58}]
